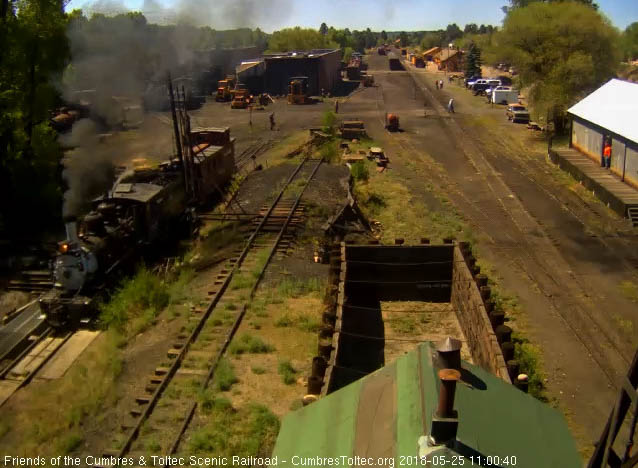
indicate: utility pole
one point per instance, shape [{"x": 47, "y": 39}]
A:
[{"x": 178, "y": 138}]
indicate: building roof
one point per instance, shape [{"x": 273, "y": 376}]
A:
[
  {"x": 385, "y": 413},
  {"x": 446, "y": 54},
  {"x": 613, "y": 106},
  {"x": 299, "y": 54},
  {"x": 432, "y": 51}
]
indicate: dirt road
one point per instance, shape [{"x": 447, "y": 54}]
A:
[{"x": 566, "y": 280}]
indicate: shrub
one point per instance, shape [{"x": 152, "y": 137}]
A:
[
  {"x": 359, "y": 171},
  {"x": 141, "y": 297},
  {"x": 225, "y": 376},
  {"x": 328, "y": 120},
  {"x": 287, "y": 372},
  {"x": 250, "y": 344}
]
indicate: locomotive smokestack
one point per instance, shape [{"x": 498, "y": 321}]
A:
[{"x": 71, "y": 229}]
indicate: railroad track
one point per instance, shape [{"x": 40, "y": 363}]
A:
[
  {"x": 161, "y": 414},
  {"x": 479, "y": 215},
  {"x": 36, "y": 350}
]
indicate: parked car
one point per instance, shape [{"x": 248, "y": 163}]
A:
[
  {"x": 483, "y": 85},
  {"x": 517, "y": 113},
  {"x": 470, "y": 81}
]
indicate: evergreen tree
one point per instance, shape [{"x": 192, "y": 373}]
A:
[
  {"x": 323, "y": 29},
  {"x": 473, "y": 61}
]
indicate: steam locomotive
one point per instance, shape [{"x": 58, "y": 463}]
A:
[{"x": 143, "y": 207}]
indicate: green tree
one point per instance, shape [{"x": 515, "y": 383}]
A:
[
  {"x": 525, "y": 3},
  {"x": 473, "y": 61},
  {"x": 403, "y": 36},
  {"x": 471, "y": 28},
  {"x": 432, "y": 39},
  {"x": 299, "y": 39},
  {"x": 384, "y": 35},
  {"x": 563, "y": 51},
  {"x": 452, "y": 32},
  {"x": 33, "y": 52},
  {"x": 630, "y": 42},
  {"x": 323, "y": 29}
]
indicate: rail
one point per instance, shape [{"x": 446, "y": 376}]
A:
[{"x": 153, "y": 399}]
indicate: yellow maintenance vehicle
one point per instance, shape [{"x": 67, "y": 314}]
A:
[
  {"x": 241, "y": 97},
  {"x": 225, "y": 88},
  {"x": 298, "y": 91}
]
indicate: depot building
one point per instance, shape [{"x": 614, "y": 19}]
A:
[{"x": 609, "y": 113}]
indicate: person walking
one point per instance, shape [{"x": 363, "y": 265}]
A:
[
  {"x": 336, "y": 106},
  {"x": 441, "y": 84},
  {"x": 272, "y": 121},
  {"x": 450, "y": 106},
  {"x": 437, "y": 84},
  {"x": 607, "y": 155}
]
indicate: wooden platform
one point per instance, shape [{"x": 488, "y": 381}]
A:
[{"x": 607, "y": 186}]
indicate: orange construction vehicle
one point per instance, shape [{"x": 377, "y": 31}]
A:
[
  {"x": 298, "y": 90},
  {"x": 224, "y": 89},
  {"x": 241, "y": 97},
  {"x": 392, "y": 122}
]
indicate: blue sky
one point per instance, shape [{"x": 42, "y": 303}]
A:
[{"x": 391, "y": 15}]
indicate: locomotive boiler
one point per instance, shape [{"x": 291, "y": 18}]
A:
[{"x": 145, "y": 206}]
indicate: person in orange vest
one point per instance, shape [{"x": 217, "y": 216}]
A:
[{"x": 607, "y": 155}]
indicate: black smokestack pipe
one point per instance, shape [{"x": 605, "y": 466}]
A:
[
  {"x": 70, "y": 224},
  {"x": 448, "y": 377},
  {"x": 178, "y": 138}
]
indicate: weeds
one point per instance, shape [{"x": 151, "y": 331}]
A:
[
  {"x": 629, "y": 289},
  {"x": 225, "y": 376},
  {"x": 242, "y": 281},
  {"x": 249, "y": 430},
  {"x": 248, "y": 344},
  {"x": 308, "y": 324},
  {"x": 359, "y": 171},
  {"x": 328, "y": 120},
  {"x": 141, "y": 297},
  {"x": 257, "y": 370},
  {"x": 287, "y": 372},
  {"x": 330, "y": 152},
  {"x": 528, "y": 357},
  {"x": 292, "y": 287},
  {"x": 69, "y": 443},
  {"x": 404, "y": 324},
  {"x": 284, "y": 321}
]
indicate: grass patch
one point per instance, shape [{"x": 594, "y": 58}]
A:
[
  {"x": 528, "y": 357},
  {"x": 249, "y": 430},
  {"x": 293, "y": 287},
  {"x": 329, "y": 151},
  {"x": 359, "y": 171},
  {"x": 52, "y": 423},
  {"x": 629, "y": 289},
  {"x": 404, "y": 324},
  {"x": 387, "y": 199},
  {"x": 257, "y": 370},
  {"x": 287, "y": 371},
  {"x": 139, "y": 298},
  {"x": 328, "y": 120},
  {"x": 225, "y": 376},
  {"x": 286, "y": 150},
  {"x": 284, "y": 321},
  {"x": 69, "y": 443},
  {"x": 308, "y": 323},
  {"x": 248, "y": 344},
  {"x": 242, "y": 281}
]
